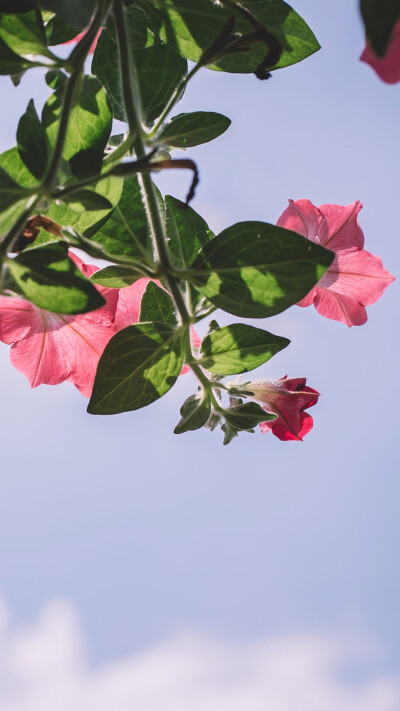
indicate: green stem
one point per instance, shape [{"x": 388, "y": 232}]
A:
[{"x": 155, "y": 218}]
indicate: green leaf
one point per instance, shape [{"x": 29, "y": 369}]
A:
[
  {"x": 76, "y": 13},
  {"x": 88, "y": 200},
  {"x": 32, "y": 142},
  {"x": 139, "y": 365},
  {"x": 195, "y": 412},
  {"x": 57, "y": 32},
  {"x": 157, "y": 305},
  {"x": 160, "y": 70},
  {"x": 88, "y": 221},
  {"x": 51, "y": 280},
  {"x": 194, "y": 27},
  {"x": 16, "y": 7},
  {"x": 24, "y": 33},
  {"x": 187, "y": 231},
  {"x": 238, "y": 348},
  {"x": 116, "y": 277},
  {"x": 255, "y": 269},
  {"x": 89, "y": 127},
  {"x": 247, "y": 416},
  {"x": 126, "y": 232},
  {"x": 380, "y": 17},
  {"x": 105, "y": 62},
  {"x": 186, "y": 130},
  {"x": 10, "y": 191}
]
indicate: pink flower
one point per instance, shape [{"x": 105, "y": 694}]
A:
[
  {"x": 287, "y": 398},
  {"x": 51, "y": 348},
  {"x": 356, "y": 278},
  {"x": 387, "y": 67}
]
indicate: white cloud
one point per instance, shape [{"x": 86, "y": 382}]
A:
[{"x": 43, "y": 668}]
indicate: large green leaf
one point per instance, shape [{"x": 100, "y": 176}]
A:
[
  {"x": 88, "y": 130},
  {"x": 256, "y": 269},
  {"x": 139, "y": 365},
  {"x": 32, "y": 142},
  {"x": 186, "y": 130},
  {"x": 10, "y": 191},
  {"x": 380, "y": 17},
  {"x": 159, "y": 68},
  {"x": 50, "y": 279},
  {"x": 24, "y": 34},
  {"x": 105, "y": 62},
  {"x": 157, "y": 305},
  {"x": 126, "y": 232},
  {"x": 11, "y": 63},
  {"x": 187, "y": 231},
  {"x": 195, "y": 412},
  {"x": 83, "y": 220},
  {"x": 238, "y": 348},
  {"x": 76, "y": 13},
  {"x": 194, "y": 27}
]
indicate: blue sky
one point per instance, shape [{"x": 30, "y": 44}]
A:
[{"x": 148, "y": 535}]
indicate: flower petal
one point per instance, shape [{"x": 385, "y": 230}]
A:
[
  {"x": 305, "y": 218},
  {"x": 344, "y": 232},
  {"x": 387, "y": 67}
]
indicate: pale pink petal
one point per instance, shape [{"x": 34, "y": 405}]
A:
[
  {"x": 17, "y": 318},
  {"x": 357, "y": 274},
  {"x": 340, "y": 307},
  {"x": 303, "y": 217},
  {"x": 129, "y": 301},
  {"x": 344, "y": 232},
  {"x": 387, "y": 67},
  {"x": 61, "y": 347},
  {"x": 310, "y": 298}
]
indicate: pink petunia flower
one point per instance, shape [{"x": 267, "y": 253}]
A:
[
  {"x": 288, "y": 398},
  {"x": 387, "y": 67},
  {"x": 356, "y": 278},
  {"x": 51, "y": 348}
]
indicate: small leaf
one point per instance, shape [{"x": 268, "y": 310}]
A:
[
  {"x": 116, "y": 277},
  {"x": 157, "y": 305},
  {"x": 255, "y": 269},
  {"x": 238, "y": 348},
  {"x": 186, "y": 130},
  {"x": 247, "y": 416},
  {"x": 32, "y": 142},
  {"x": 195, "y": 412},
  {"x": 51, "y": 280},
  {"x": 139, "y": 365},
  {"x": 380, "y": 17},
  {"x": 24, "y": 33}
]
